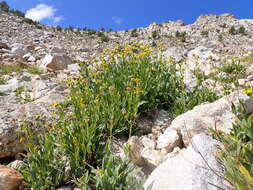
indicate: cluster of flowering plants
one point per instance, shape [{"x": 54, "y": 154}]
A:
[
  {"x": 237, "y": 153},
  {"x": 105, "y": 100}
]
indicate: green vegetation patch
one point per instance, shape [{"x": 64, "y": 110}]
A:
[
  {"x": 104, "y": 104},
  {"x": 2, "y": 80},
  {"x": 3, "y": 94},
  {"x": 8, "y": 69},
  {"x": 237, "y": 153},
  {"x": 247, "y": 59}
]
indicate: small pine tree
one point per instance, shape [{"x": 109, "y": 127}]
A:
[
  {"x": 232, "y": 30},
  {"x": 104, "y": 38},
  {"x": 181, "y": 36},
  {"x": 220, "y": 38},
  {"x": 153, "y": 44},
  {"x": 30, "y": 21},
  {"x": 155, "y": 34},
  {"x": 177, "y": 34},
  {"x": 241, "y": 30},
  {"x": 58, "y": 28},
  {"x": 204, "y": 33},
  {"x": 18, "y": 13},
  {"x": 91, "y": 32},
  {"x": 100, "y": 34},
  {"x": 71, "y": 28},
  {"x": 4, "y": 6}
]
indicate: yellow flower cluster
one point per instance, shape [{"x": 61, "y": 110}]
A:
[
  {"x": 248, "y": 91},
  {"x": 56, "y": 104},
  {"x": 134, "y": 52}
]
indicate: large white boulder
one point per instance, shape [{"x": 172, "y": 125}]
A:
[
  {"x": 14, "y": 113},
  {"x": 55, "y": 62},
  {"x": 18, "y": 50},
  {"x": 169, "y": 140},
  {"x": 196, "y": 168},
  {"x": 175, "y": 53},
  {"x": 216, "y": 115},
  {"x": 11, "y": 85},
  {"x": 202, "y": 58}
]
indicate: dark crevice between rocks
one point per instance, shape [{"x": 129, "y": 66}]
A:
[{"x": 7, "y": 160}]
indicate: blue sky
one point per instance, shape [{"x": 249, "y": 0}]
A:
[{"x": 126, "y": 14}]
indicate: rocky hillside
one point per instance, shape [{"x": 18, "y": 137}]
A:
[
  {"x": 210, "y": 66},
  {"x": 210, "y": 31}
]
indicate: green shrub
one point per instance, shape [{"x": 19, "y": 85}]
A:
[
  {"x": 188, "y": 100},
  {"x": 233, "y": 67},
  {"x": 100, "y": 34},
  {"x": 237, "y": 153},
  {"x": 220, "y": 37},
  {"x": 205, "y": 33},
  {"x": 241, "y": 30},
  {"x": 177, "y": 34},
  {"x": 2, "y": 93},
  {"x": 18, "y": 13},
  {"x": 19, "y": 91},
  {"x": 112, "y": 166},
  {"x": 2, "y": 81},
  {"x": 153, "y": 44},
  {"x": 70, "y": 28},
  {"x": 181, "y": 36},
  {"x": 104, "y": 103},
  {"x": 59, "y": 28},
  {"x": 7, "y": 69},
  {"x": 91, "y": 32},
  {"x": 232, "y": 30},
  {"x": 34, "y": 70},
  {"x": 44, "y": 163},
  {"x": 39, "y": 26},
  {"x": 155, "y": 34},
  {"x": 4, "y": 6},
  {"x": 248, "y": 58},
  {"x": 234, "y": 70},
  {"x": 103, "y": 37},
  {"x": 30, "y": 21}
]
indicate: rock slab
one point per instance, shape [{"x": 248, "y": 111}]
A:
[
  {"x": 196, "y": 168},
  {"x": 9, "y": 179},
  {"x": 217, "y": 115}
]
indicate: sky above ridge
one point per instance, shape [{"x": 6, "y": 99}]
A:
[{"x": 126, "y": 14}]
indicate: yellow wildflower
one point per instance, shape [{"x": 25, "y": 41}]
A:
[
  {"x": 100, "y": 171},
  {"x": 135, "y": 79},
  {"x": 248, "y": 91},
  {"x": 56, "y": 104}
]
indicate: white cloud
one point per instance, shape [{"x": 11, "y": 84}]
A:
[
  {"x": 58, "y": 19},
  {"x": 117, "y": 20},
  {"x": 42, "y": 12}
]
